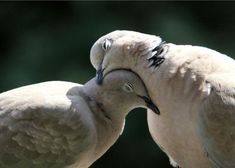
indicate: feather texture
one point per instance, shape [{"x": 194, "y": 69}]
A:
[{"x": 193, "y": 88}]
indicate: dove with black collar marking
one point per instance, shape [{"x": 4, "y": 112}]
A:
[
  {"x": 193, "y": 87},
  {"x": 62, "y": 124}
]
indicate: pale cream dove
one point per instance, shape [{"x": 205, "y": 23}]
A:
[{"x": 193, "y": 87}]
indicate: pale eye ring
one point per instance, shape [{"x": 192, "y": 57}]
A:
[
  {"x": 127, "y": 87},
  {"x": 106, "y": 44}
]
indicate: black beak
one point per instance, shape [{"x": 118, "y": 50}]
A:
[
  {"x": 99, "y": 76},
  {"x": 150, "y": 105}
]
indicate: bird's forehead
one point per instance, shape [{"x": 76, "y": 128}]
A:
[{"x": 131, "y": 35}]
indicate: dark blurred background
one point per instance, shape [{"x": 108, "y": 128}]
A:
[{"x": 41, "y": 41}]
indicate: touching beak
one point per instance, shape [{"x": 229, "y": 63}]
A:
[
  {"x": 150, "y": 105},
  {"x": 99, "y": 76}
]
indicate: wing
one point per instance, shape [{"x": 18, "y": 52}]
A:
[
  {"x": 43, "y": 125},
  {"x": 217, "y": 121}
]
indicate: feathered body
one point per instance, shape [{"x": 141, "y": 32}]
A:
[
  {"x": 193, "y": 88},
  {"x": 51, "y": 124},
  {"x": 62, "y": 124}
]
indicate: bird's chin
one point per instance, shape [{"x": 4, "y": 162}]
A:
[{"x": 101, "y": 109}]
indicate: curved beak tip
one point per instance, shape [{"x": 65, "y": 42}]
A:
[
  {"x": 99, "y": 76},
  {"x": 150, "y": 105},
  {"x": 154, "y": 108}
]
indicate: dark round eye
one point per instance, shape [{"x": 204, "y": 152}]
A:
[
  {"x": 127, "y": 87},
  {"x": 106, "y": 44}
]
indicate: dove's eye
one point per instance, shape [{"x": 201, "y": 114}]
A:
[
  {"x": 106, "y": 44},
  {"x": 127, "y": 87}
]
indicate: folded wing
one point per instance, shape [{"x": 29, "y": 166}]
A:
[
  {"x": 43, "y": 125},
  {"x": 217, "y": 121}
]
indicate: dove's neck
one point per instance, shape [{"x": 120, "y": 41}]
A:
[
  {"x": 178, "y": 88},
  {"x": 108, "y": 127},
  {"x": 108, "y": 131}
]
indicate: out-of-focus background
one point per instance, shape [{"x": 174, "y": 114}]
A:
[{"x": 41, "y": 41}]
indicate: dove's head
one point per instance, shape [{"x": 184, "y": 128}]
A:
[
  {"x": 120, "y": 92},
  {"x": 124, "y": 50}
]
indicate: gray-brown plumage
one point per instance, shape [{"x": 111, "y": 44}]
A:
[{"x": 62, "y": 124}]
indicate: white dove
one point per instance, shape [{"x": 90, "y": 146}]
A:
[
  {"x": 193, "y": 87},
  {"x": 62, "y": 124}
]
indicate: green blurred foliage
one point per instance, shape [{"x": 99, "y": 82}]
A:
[{"x": 41, "y": 41}]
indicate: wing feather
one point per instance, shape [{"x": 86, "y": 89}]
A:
[
  {"x": 41, "y": 127},
  {"x": 217, "y": 121}
]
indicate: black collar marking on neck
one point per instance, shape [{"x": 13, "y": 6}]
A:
[{"x": 158, "y": 58}]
